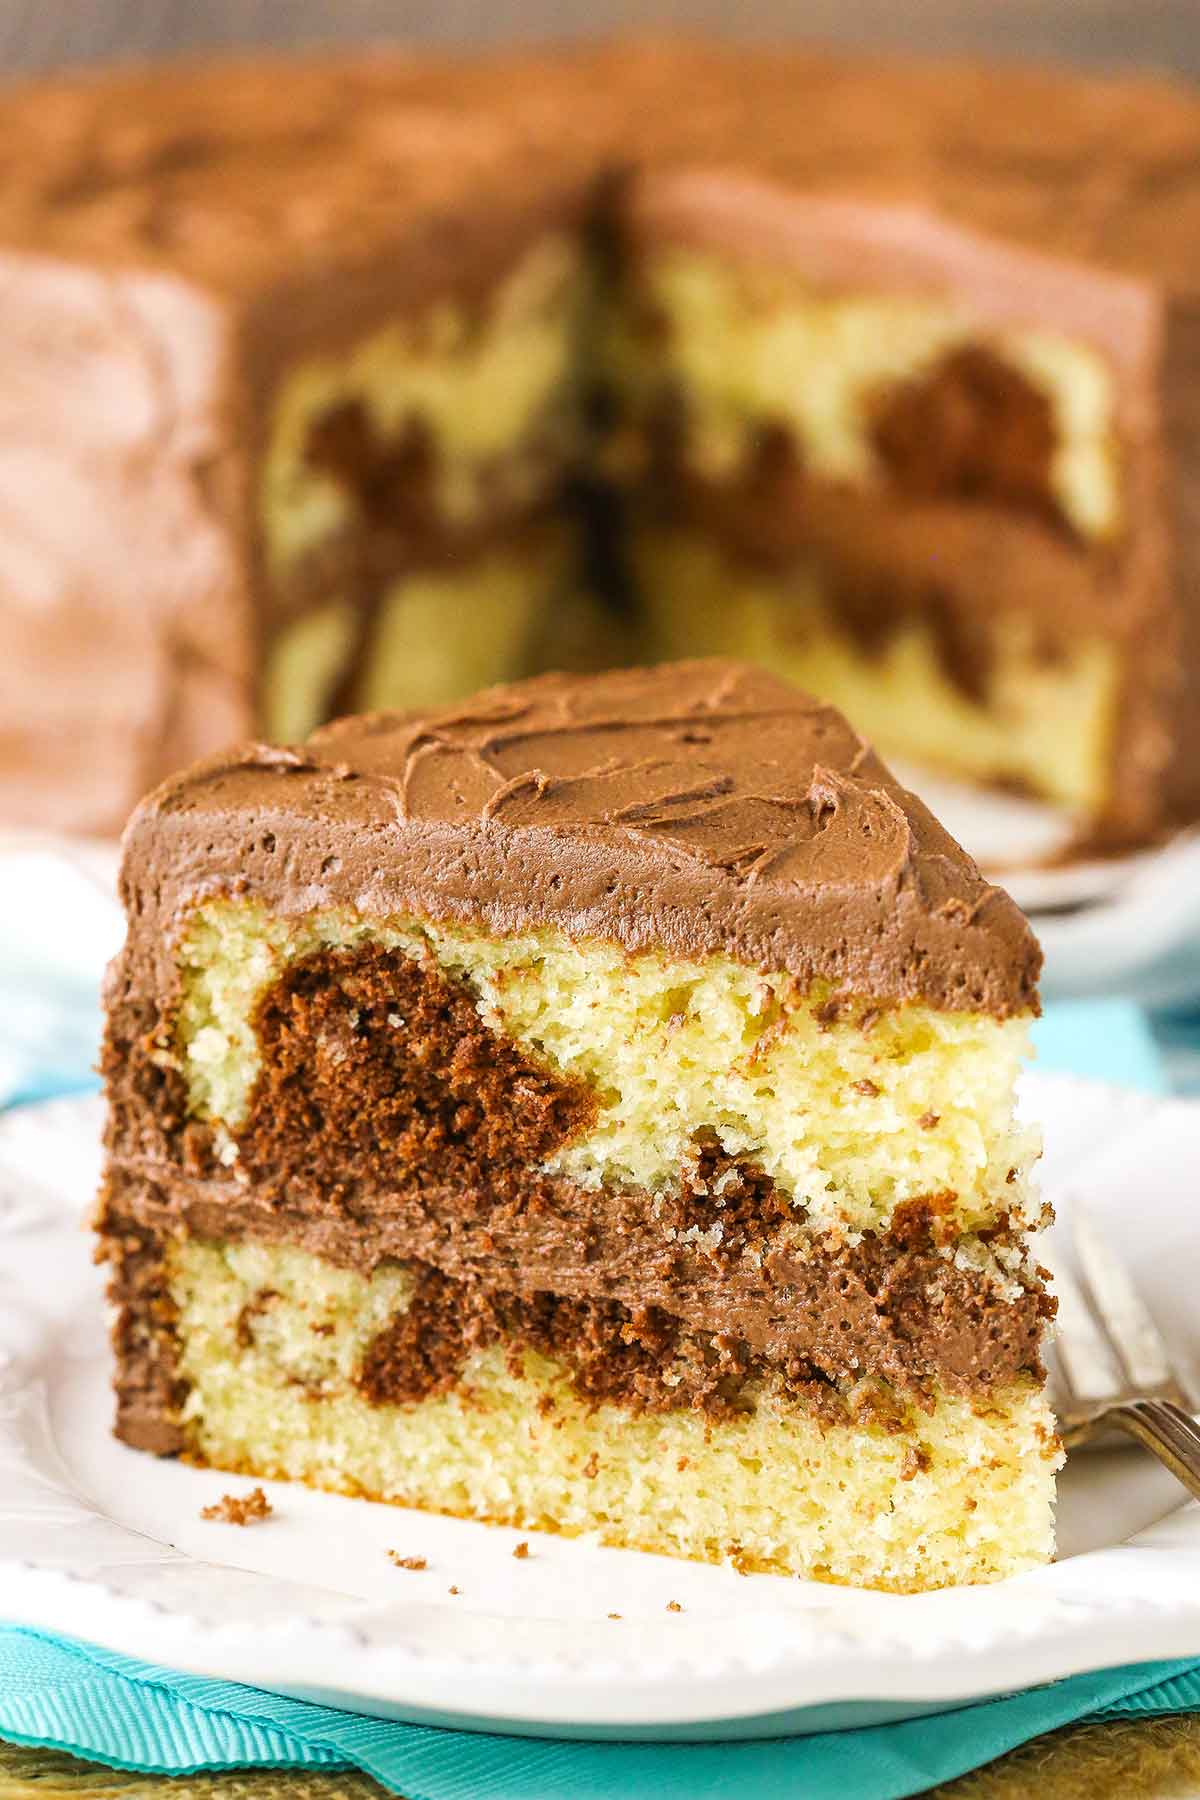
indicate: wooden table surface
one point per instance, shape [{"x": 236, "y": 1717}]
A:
[
  {"x": 1154, "y": 1760},
  {"x": 1158, "y": 1760}
]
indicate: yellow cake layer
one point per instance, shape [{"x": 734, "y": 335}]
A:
[
  {"x": 670, "y": 1048},
  {"x": 746, "y": 345},
  {"x": 1045, "y": 725},
  {"x": 303, "y": 668},
  {"x": 483, "y": 385},
  {"x": 436, "y": 634},
  {"x": 440, "y": 635},
  {"x": 271, "y": 1339}
]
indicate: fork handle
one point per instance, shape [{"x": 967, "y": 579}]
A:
[{"x": 1166, "y": 1429}]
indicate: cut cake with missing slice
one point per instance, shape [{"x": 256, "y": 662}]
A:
[{"x": 587, "y": 1108}]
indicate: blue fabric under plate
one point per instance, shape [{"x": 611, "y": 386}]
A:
[
  {"x": 1106, "y": 1040},
  {"x": 132, "y": 1715}
]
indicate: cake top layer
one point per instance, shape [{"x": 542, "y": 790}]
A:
[
  {"x": 1102, "y": 168},
  {"x": 695, "y": 807},
  {"x": 235, "y": 172},
  {"x": 224, "y": 170}
]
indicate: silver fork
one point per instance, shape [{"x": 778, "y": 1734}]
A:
[{"x": 1112, "y": 1366}]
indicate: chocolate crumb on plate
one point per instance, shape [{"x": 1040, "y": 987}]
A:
[
  {"x": 407, "y": 1562},
  {"x": 239, "y": 1509}
]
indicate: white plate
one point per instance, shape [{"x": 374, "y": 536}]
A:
[{"x": 100, "y": 1541}]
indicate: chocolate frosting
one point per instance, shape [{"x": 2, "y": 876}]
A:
[
  {"x": 891, "y": 1304},
  {"x": 695, "y": 808}
]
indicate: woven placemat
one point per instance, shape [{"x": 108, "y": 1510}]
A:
[{"x": 1144, "y": 1759}]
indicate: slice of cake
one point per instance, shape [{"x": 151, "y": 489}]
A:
[{"x": 588, "y": 1108}]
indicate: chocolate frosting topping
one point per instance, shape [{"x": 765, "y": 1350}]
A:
[{"x": 698, "y": 807}]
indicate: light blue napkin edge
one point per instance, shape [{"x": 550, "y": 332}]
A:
[
  {"x": 1102, "y": 1040},
  {"x": 115, "y": 1710}
]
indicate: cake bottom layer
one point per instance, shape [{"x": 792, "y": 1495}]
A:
[
  {"x": 431, "y": 635},
  {"x": 1042, "y": 724},
  {"x": 274, "y": 1353}
]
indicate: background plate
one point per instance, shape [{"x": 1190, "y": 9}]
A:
[{"x": 107, "y": 1544}]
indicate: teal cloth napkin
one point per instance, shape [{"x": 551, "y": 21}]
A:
[
  {"x": 129, "y": 1714},
  {"x": 1108, "y": 1040}
]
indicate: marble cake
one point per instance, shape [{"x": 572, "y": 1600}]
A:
[
  {"x": 588, "y": 1107},
  {"x": 340, "y": 384}
]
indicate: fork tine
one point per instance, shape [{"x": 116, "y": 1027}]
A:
[
  {"x": 1131, "y": 1330},
  {"x": 1084, "y": 1356}
]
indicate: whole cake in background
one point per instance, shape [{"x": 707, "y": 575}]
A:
[
  {"x": 360, "y": 383},
  {"x": 590, "y": 1107}
]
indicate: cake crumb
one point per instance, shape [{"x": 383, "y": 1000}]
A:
[
  {"x": 407, "y": 1562},
  {"x": 522, "y": 1551},
  {"x": 614, "y": 1615},
  {"x": 455, "y": 1590},
  {"x": 591, "y": 1467},
  {"x": 243, "y": 1331},
  {"x": 917, "y": 1460},
  {"x": 674, "y": 1606},
  {"x": 239, "y": 1509},
  {"x": 928, "y": 1120},
  {"x": 866, "y": 1086}
]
